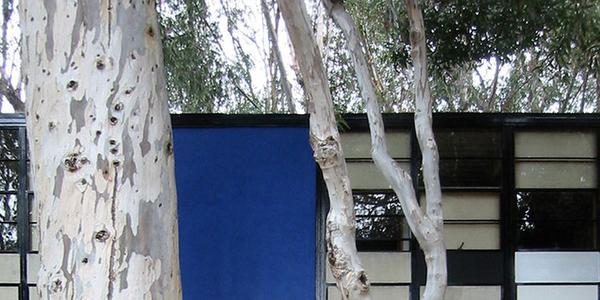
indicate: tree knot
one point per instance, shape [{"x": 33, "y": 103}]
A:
[
  {"x": 74, "y": 162},
  {"x": 326, "y": 152}
]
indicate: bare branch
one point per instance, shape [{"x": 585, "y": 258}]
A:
[
  {"x": 11, "y": 94},
  {"x": 342, "y": 255}
]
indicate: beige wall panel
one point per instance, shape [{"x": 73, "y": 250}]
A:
[
  {"x": 365, "y": 175},
  {"x": 9, "y": 292},
  {"x": 358, "y": 144},
  {"x": 469, "y": 205},
  {"x": 384, "y": 267},
  {"x": 377, "y": 292},
  {"x": 33, "y": 266},
  {"x": 557, "y": 292},
  {"x": 9, "y": 268},
  {"x": 472, "y": 236},
  {"x": 555, "y": 174},
  {"x": 471, "y": 293},
  {"x": 555, "y": 144}
]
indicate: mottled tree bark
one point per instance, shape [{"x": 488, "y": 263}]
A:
[
  {"x": 342, "y": 255},
  {"x": 101, "y": 150},
  {"x": 427, "y": 227}
]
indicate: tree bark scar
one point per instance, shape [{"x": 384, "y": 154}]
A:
[
  {"x": 113, "y": 250},
  {"x": 326, "y": 152}
]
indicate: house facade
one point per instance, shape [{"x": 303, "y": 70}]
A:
[{"x": 520, "y": 199}]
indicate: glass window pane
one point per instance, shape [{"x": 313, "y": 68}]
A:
[
  {"x": 379, "y": 228},
  {"x": 9, "y": 179},
  {"x": 377, "y": 205},
  {"x": 564, "y": 235},
  {"x": 556, "y": 205},
  {"x": 456, "y": 144},
  {"x": 9, "y": 144},
  {"x": 8, "y": 208},
  {"x": 8, "y": 237},
  {"x": 470, "y": 172}
]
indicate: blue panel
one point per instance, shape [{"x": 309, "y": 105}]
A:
[{"x": 247, "y": 203}]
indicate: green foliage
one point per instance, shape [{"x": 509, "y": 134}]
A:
[{"x": 199, "y": 76}]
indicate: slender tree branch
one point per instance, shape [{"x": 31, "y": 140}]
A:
[
  {"x": 285, "y": 85},
  {"x": 11, "y": 94},
  {"x": 342, "y": 255}
]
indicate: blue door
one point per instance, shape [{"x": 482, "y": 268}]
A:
[{"x": 247, "y": 204}]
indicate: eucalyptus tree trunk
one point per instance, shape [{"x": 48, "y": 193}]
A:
[
  {"x": 427, "y": 227},
  {"x": 101, "y": 150},
  {"x": 342, "y": 255}
]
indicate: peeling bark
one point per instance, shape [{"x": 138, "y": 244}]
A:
[
  {"x": 342, "y": 255},
  {"x": 100, "y": 141},
  {"x": 427, "y": 227}
]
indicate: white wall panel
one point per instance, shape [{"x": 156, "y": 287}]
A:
[
  {"x": 557, "y": 267},
  {"x": 557, "y": 292},
  {"x": 384, "y": 267},
  {"x": 9, "y": 268},
  {"x": 377, "y": 293}
]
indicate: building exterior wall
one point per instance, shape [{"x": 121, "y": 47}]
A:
[{"x": 520, "y": 196}]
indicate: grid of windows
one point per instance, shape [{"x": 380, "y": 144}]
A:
[{"x": 14, "y": 236}]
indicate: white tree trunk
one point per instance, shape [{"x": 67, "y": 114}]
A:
[
  {"x": 428, "y": 227},
  {"x": 342, "y": 255},
  {"x": 101, "y": 150}
]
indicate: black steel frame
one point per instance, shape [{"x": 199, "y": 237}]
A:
[
  {"x": 17, "y": 122},
  {"x": 506, "y": 123}
]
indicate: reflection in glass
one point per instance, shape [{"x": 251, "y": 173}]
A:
[
  {"x": 556, "y": 220},
  {"x": 9, "y": 178},
  {"x": 556, "y": 205},
  {"x": 469, "y": 173},
  {"x": 462, "y": 144},
  {"x": 8, "y": 208},
  {"x": 380, "y": 225},
  {"x": 9, "y": 144},
  {"x": 563, "y": 235},
  {"x": 8, "y": 237}
]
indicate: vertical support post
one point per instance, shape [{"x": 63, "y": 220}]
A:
[
  {"x": 507, "y": 212},
  {"x": 23, "y": 214},
  {"x": 416, "y": 263}
]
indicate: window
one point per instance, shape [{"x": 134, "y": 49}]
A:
[
  {"x": 556, "y": 196},
  {"x": 470, "y": 174},
  {"x": 380, "y": 224},
  {"x": 556, "y": 220}
]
